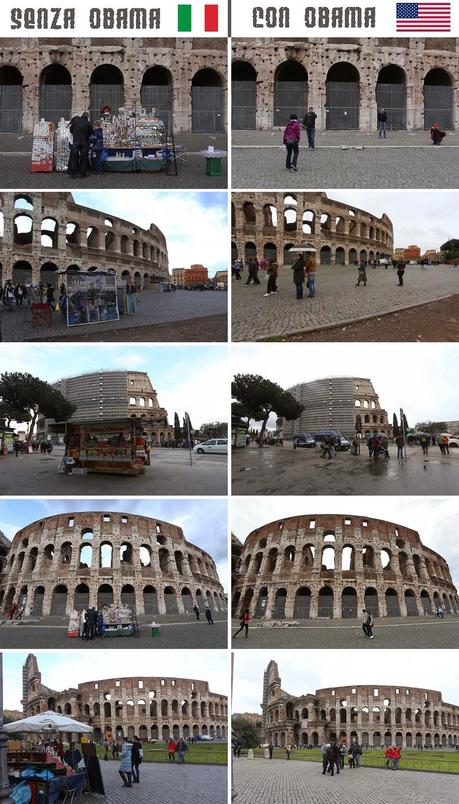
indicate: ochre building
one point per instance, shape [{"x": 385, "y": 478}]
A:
[
  {"x": 45, "y": 234},
  {"x": 374, "y": 716},
  {"x": 152, "y": 708},
  {"x": 183, "y": 80},
  {"x": 332, "y": 566},
  {"x": 75, "y": 560},
  {"x": 268, "y": 225},
  {"x": 346, "y": 81}
]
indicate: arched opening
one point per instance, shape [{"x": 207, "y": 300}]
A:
[
  {"x": 59, "y": 601},
  {"x": 340, "y": 256},
  {"x": 302, "y": 603},
  {"x": 391, "y": 96},
  {"x": 343, "y": 96},
  {"x": 207, "y": 102},
  {"x": 325, "y": 255},
  {"x": 11, "y": 90},
  {"x": 270, "y": 251},
  {"x": 128, "y": 596},
  {"x": 260, "y": 609},
  {"x": 104, "y": 595},
  {"x": 49, "y": 273},
  {"x": 353, "y": 260},
  {"x": 410, "y": 602},
  {"x": 106, "y": 90},
  {"x": 250, "y": 250},
  {"x": 349, "y": 603},
  {"x": 81, "y": 599},
  {"x": 234, "y": 251},
  {"x": 325, "y": 602},
  {"x": 290, "y": 92},
  {"x": 371, "y": 601},
  {"x": 438, "y": 99},
  {"x": 156, "y": 93},
  {"x": 55, "y": 93},
  {"x": 279, "y": 603},
  {"x": 170, "y": 599},
  {"x": 150, "y": 600},
  {"x": 392, "y": 603},
  {"x": 243, "y": 96},
  {"x": 187, "y": 600},
  {"x": 38, "y": 599},
  {"x": 289, "y": 256}
]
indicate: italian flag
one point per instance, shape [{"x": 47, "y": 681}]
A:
[{"x": 185, "y": 17}]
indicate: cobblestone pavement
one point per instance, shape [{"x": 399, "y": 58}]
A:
[
  {"x": 153, "y": 308},
  {"x": 337, "y": 299},
  {"x": 275, "y": 470},
  {"x": 165, "y": 784},
  {"x": 412, "y": 632},
  {"x": 291, "y": 782},
  {"x": 170, "y": 473},
  {"x": 403, "y": 160},
  {"x": 15, "y": 151}
]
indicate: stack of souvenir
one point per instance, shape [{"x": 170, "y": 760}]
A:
[
  {"x": 119, "y": 132},
  {"x": 150, "y": 131},
  {"x": 61, "y": 146},
  {"x": 43, "y": 147}
]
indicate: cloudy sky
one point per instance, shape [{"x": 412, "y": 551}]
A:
[
  {"x": 182, "y": 375},
  {"x": 309, "y": 670},
  {"x": 195, "y": 224},
  {"x": 416, "y": 377},
  {"x": 186, "y": 514},
  {"x": 435, "y": 518},
  {"x": 69, "y": 668},
  {"x": 419, "y": 217}
]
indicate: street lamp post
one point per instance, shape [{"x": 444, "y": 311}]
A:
[{"x": 5, "y": 788}]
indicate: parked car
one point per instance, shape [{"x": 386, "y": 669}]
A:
[
  {"x": 218, "y": 445},
  {"x": 303, "y": 440},
  {"x": 453, "y": 441},
  {"x": 341, "y": 443}
]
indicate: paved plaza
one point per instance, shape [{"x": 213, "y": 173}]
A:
[
  {"x": 403, "y": 160},
  {"x": 153, "y": 308},
  {"x": 165, "y": 784},
  {"x": 170, "y": 473},
  {"x": 15, "y": 158},
  {"x": 285, "y": 471},
  {"x": 337, "y": 300},
  {"x": 292, "y": 782},
  {"x": 410, "y": 632}
]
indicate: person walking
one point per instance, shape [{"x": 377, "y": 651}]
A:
[
  {"x": 446, "y": 443},
  {"x": 171, "y": 749},
  {"x": 244, "y": 623},
  {"x": 382, "y": 123},
  {"x": 356, "y": 752},
  {"x": 400, "y": 273},
  {"x": 137, "y": 756},
  {"x": 288, "y": 749},
  {"x": 209, "y": 616},
  {"x": 311, "y": 270},
  {"x": 336, "y": 757},
  {"x": 436, "y": 134},
  {"x": 327, "y": 447},
  {"x": 20, "y": 293},
  {"x": 367, "y": 624},
  {"x": 292, "y": 136},
  {"x": 252, "y": 266},
  {"x": 424, "y": 442},
  {"x": 272, "y": 272},
  {"x": 196, "y": 611},
  {"x": 181, "y": 749},
  {"x": 309, "y": 122},
  {"x": 400, "y": 442},
  {"x": 270, "y": 749},
  {"x": 125, "y": 769},
  {"x": 370, "y": 446},
  {"x": 323, "y": 751},
  {"x": 298, "y": 276},
  {"x": 342, "y": 752},
  {"x": 237, "y": 267},
  {"x": 362, "y": 274},
  {"x": 396, "y": 752}
]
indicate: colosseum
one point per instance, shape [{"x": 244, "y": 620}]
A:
[
  {"x": 92, "y": 558},
  {"x": 149, "y": 707},
  {"x": 348, "y": 404},
  {"x": 44, "y": 234},
  {"x": 268, "y": 225},
  {"x": 333, "y": 566},
  {"x": 375, "y": 716},
  {"x": 183, "y": 80},
  {"x": 346, "y": 81}
]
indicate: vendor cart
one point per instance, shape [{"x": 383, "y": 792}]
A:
[{"x": 117, "y": 447}]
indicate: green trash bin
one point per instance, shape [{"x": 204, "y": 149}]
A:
[
  {"x": 155, "y": 630},
  {"x": 214, "y": 166}
]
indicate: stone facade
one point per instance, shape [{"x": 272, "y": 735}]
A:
[
  {"x": 269, "y": 224},
  {"x": 47, "y": 233},
  {"x": 346, "y": 81},
  {"x": 333, "y": 566},
  {"x": 75, "y": 560},
  {"x": 183, "y": 79},
  {"x": 151, "y": 708},
  {"x": 374, "y": 716}
]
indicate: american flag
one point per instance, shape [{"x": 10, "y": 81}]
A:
[{"x": 423, "y": 17}]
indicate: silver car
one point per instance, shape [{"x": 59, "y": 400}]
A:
[{"x": 217, "y": 445}]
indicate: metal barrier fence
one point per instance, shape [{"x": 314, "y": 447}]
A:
[{"x": 441, "y": 762}]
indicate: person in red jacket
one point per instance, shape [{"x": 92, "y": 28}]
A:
[
  {"x": 396, "y": 751},
  {"x": 244, "y": 623},
  {"x": 292, "y": 136},
  {"x": 389, "y": 756}
]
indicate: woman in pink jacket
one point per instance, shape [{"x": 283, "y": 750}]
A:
[{"x": 292, "y": 136}]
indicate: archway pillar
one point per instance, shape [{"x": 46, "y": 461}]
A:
[
  {"x": 270, "y": 602},
  {"x": 161, "y": 601},
  {"x": 403, "y": 609},
  {"x": 290, "y": 604}
]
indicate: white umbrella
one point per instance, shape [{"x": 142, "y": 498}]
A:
[
  {"x": 47, "y": 721},
  {"x": 302, "y": 247}
]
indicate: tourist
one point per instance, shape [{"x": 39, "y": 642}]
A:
[
  {"x": 424, "y": 442},
  {"x": 125, "y": 769},
  {"x": 355, "y": 447},
  {"x": 106, "y": 748},
  {"x": 400, "y": 273},
  {"x": 367, "y": 624},
  {"x": 236, "y": 269},
  {"x": 272, "y": 272},
  {"x": 382, "y": 123},
  {"x": 327, "y": 447},
  {"x": 8, "y": 296},
  {"x": 328, "y": 764},
  {"x": 196, "y": 611},
  {"x": 323, "y": 751},
  {"x": 446, "y": 443},
  {"x": 292, "y": 136},
  {"x": 50, "y": 296},
  {"x": 270, "y": 749},
  {"x": 72, "y": 756},
  {"x": 396, "y": 749},
  {"x": 252, "y": 267},
  {"x": 288, "y": 749},
  {"x": 336, "y": 757},
  {"x": 244, "y": 623},
  {"x": 362, "y": 274},
  {"x": 370, "y": 445},
  {"x": 357, "y": 752},
  {"x": 209, "y": 616},
  {"x": 400, "y": 441},
  {"x": 311, "y": 270},
  {"x": 136, "y": 758},
  {"x": 81, "y": 130},
  {"x": 181, "y": 748},
  {"x": 96, "y": 142},
  {"x": 17, "y": 448},
  {"x": 298, "y": 276},
  {"x": 342, "y": 753},
  {"x": 20, "y": 294},
  {"x": 436, "y": 134},
  {"x": 389, "y": 757},
  {"x": 309, "y": 122},
  {"x": 171, "y": 749}
]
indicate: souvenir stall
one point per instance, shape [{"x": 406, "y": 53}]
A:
[
  {"x": 118, "y": 447},
  {"x": 91, "y": 298},
  {"x": 113, "y": 620},
  {"x": 134, "y": 141}
]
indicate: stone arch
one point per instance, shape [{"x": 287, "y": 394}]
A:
[
  {"x": 349, "y": 602},
  {"x": 392, "y": 603},
  {"x": 280, "y": 601},
  {"x": 250, "y": 250},
  {"x": 243, "y": 95},
  {"x": 55, "y": 93},
  {"x": 106, "y": 89},
  {"x": 81, "y": 597},
  {"x": 104, "y": 595},
  {"x": 59, "y": 601},
  {"x": 128, "y": 597},
  {"x": 156, "y": 93},
  {"x": 391, "y": 95},
  {"x": 340, "y": 256},
  {"x": 23, "y": 228},
  {"x": 170, "y": 600},
  {"x": 106, "y": 555},
  {"x": 187, "y": 600},
  {"x": 207, "y": 101},
  {"x": 342, "y": 96},
  {"x": 262, "y": 602},
  {"x": 371, "y": 601},
  {"x": 309, "y": 222},
  {"x": 325, "y": 255},
  {"x": 270, "y": 251},
  {"x": 290, "y": 91},
  {"x": 150, "y": 600},
  {"x": 38, "y": 600},
  {"x": 325, "y": 602},
  {"x": 289, "y": 256},
  {"x": 49, "y": 233},
  {"x": 438, "y": 99},
  {"x": 302, "y": 603},
  {"x": 353, "y": 260},
  {"x": 11, "y": 100}
]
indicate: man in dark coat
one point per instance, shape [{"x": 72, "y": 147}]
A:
[
  {"x": 309, "y": 122},
  {"x": 81, "y": 130}
]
